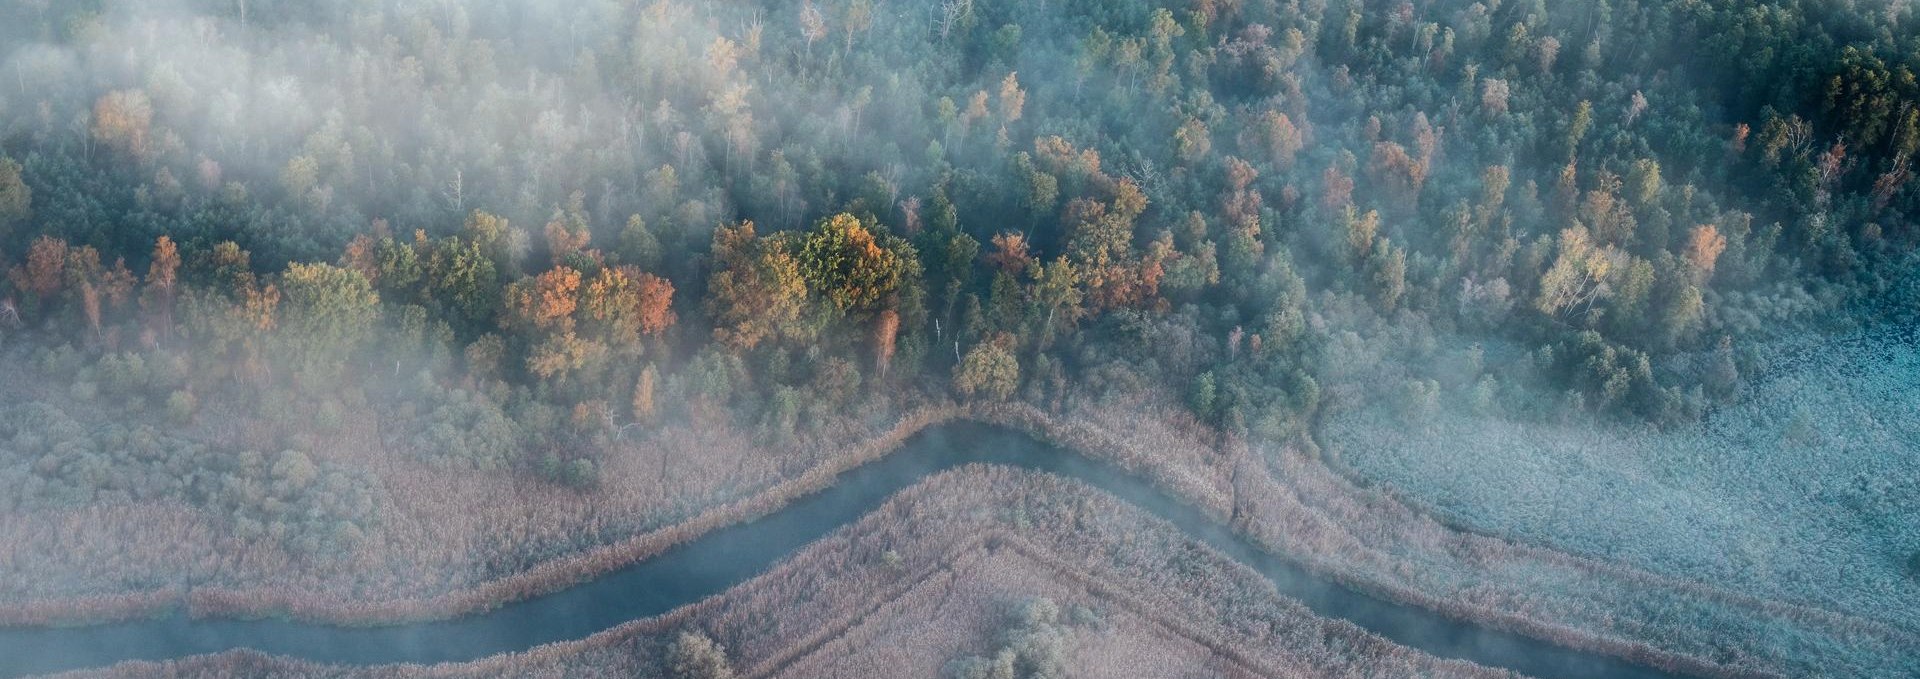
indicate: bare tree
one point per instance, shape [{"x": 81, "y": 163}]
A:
[
  {"x": 952, "y": 11},
  {"x": 812, "y": 25}
]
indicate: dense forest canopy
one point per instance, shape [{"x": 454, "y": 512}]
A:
[{"x": 535, "y": 228}]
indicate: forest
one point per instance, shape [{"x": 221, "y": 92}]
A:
[
  {"x": 260, "y": 254},
  {"x": 1242, "y": 204}
]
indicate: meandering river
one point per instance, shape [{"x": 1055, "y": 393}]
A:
[{"x": 729, "y": 556}]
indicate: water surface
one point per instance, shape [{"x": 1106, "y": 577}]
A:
[{"x": 729, "y": 556}]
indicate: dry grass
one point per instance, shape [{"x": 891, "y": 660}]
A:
[
  {"x": 967, "y": 541},
  {"x": 1283, "y": 496}
]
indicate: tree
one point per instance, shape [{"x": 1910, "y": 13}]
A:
[
  {"x": 989, "y": 370},
  {"x": 1057, "y": 292},
  {"x": 462, "y": 278},
  {"x": 813, "y": 26},
  {"x": 1192, "y": 141},
  {"x": 638, "y": 246},
  {"x": 1579, "y": 274},
  {"x": 1722, "y": 380},
  {"x": 1683, "y": 313},
  {"x": 1389, "y": 276},
  {"x": 122, "y": 120},
  {"x": 626, "y": 304},
  {"x": 1704, "y": 246},
  {"x": 1361, "y": 231},
  {"x": 1493, "y": 96},
  {"x": 1643, "y": 182},
  {"x": 1013, "y": 100},
  {"x": 854, "y": 269},
  {"x": 545, "y": 302},
  {"x": 1577, "y": 127},
  {"x": 1010, "y": 253},
  {"x": 45, "y": 270},
  {"x": 1202, "y": 396},
  {"x": 886, "y": 330},
  {"x": 16, "y": 198},
  {"x": 757, "y": 291},
  {"x": 564, "y": 353},
  {"x": 1283, "y": 139},
  {"x": 328, "y": 311},
  {"x": 694, "y": 656},
  {"x": 567, "y": 232},
  {"x": 644, "y": 406},
  {"x": 493, "y": 236}
]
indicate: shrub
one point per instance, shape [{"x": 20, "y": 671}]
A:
[
  {"x": 181, "y": 405},
  {"x": 467, "y": 430},
  {"x": 1034, "y": 647},
  {"x": 694, "y": 656},
  {"x": 329, "y": 417}
]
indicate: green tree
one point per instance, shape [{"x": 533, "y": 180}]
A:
[
  {"x": 638, "y": 246},
  {"x": 16, "y": 198},
  {"x": 462, "y": 279},
  {"x": 988, "y": 371},
  {"x": 850, "y": 265},
  {"x": 327, "y": 311}
]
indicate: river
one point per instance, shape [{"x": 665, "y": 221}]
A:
[{"x": 729, "y": 556}]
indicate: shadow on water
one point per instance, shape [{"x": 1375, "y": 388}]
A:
[{"x": 726, "y": 557}]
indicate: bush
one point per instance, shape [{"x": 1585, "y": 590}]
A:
[
  {"x": 181, "y": 406},
  {"x": 694, "y": 656},
  {"x": 1034, "y": 647},
  {"x": 307, "y": 506},
  {"x": 329, "y": 418},
  {"x": 467, "y": 430}
]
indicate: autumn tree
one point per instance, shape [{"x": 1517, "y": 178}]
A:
[
  {"x": 886, "y": 332},
  {"x": 644, "y": 401},
  {"x": 1704, "y": 245},
  {"x": 1240, "y": 207},
  {"x": 567, "y": 232},
  {"x": 1579, "y": 275},
  {"x": 1013, "y": 99},
  {"x": 624, "y": 304},
  {"x": 1011, "y": 254},
  {"x": 543, "y": 303},
  {"x": 851, "y": 266},
  {"x": 45, "y": 270},
  {"x": 122, "y": 120},
  {"x": 1192, "y": 141},
  {"x": 756, "y": 291},
  {"x": 1361, "y": 231},
  {"x": 494, "y": 237},
  {"x": 564, "y": 353}
]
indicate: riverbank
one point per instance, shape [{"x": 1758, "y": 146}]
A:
[
  {"x": 966, "y": 541},
  {"x": 1807, "y": 489},
  {"x": 1296, "y": 506}
]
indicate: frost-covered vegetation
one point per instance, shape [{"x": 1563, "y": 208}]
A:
[
  {"x": 931, "y": 578},
  {"x": 541, "y": 279},
  {"x": 1807, "y": 488},
  {"x": 50, "y": 460}
]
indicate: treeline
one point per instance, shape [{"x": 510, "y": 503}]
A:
[{"x": 529, "y": 232}]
